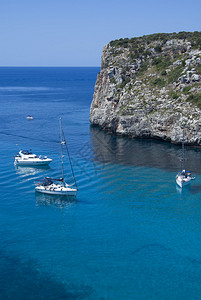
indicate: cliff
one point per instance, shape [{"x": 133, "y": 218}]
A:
[{"x": 150, "y": 87}]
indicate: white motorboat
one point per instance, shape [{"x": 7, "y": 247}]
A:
[
  {"x": 30, "y": 117},
  {"x": 27, "y": 158},
  {"x": 53, "y": 186},
  {"x": 184, "y": 177}
]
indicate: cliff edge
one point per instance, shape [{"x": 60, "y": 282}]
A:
[{"x": 150, "y": 87}]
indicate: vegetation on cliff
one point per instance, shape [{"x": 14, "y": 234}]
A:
[
  {"x": 138, "y": 43},
  {"x": 155, "y": 54}
]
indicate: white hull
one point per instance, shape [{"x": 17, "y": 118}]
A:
[
  {"x": 181, "y": 181},
  {"x": 27, "y": 158},
  {"x": 34, "y": 162},
  {"x": 62, "y": 191}
]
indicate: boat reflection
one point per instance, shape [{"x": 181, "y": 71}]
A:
[
  {"x": 184, "y": 190},
  {"x": 54, "y": 200},
  {"x": 23, "y": 171},
  {"x": 108, "y": 148}
]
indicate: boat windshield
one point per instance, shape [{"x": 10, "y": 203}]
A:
[
  {"x": 47, "y": 181},
  {"x": 26, "y": 152},
  {"x": 185, "y": 173}
]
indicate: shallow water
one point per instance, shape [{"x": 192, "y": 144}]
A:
[{"x": 129, "y": 234}]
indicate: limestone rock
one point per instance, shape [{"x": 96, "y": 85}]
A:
[{"x": 143, "y": 90}]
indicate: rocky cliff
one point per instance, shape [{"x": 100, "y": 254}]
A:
[{"x": 150, "y": 87}]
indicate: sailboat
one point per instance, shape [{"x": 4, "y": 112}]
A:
[
  {"x": 58, "y": 186},
  {"x": 184, "y": 177}
]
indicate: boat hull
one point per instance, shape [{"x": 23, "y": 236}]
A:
[
  {"x": 22, "y": 162},
  {"x": 181, "y": 182},
  {"x": 60, "y": 192}
]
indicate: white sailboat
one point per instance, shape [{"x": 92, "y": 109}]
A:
[
  {"x": 184, "y": 177},
  {"x": 54, "y": 186}
]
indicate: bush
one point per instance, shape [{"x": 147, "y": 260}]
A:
[
  {"x": 163, "y": 73},
  {"x": 186, "y": 89},
  {"x": 143, "y": 67},
  {"x": 198, "y": 69},
  {"x": 195, "y": 99},
  {"x": 173, "y": 94},
  {"x": 158, "y": 49},
  {"x": 162, "y": 62},
  {"x": 159, "y": 82},
  {"x": 175, "y": 74}
]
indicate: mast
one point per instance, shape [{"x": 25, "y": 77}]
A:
[
  {"x": 182, "y": 159},
  {"x": 62, "y": 163},
  {"x": 63, "y": 142}
]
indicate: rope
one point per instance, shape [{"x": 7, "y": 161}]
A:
[{"x": 70, "y": 160}]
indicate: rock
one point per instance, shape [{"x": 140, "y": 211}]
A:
[
  {"x": 195, "y": 77},
  {"x": 133, "y": 99}
]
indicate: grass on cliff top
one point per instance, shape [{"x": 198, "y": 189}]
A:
[{"x": 138, "y": 42}]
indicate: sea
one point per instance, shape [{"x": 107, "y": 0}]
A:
[{"x": 130, "y": 233}]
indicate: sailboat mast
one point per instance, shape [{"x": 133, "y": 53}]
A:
[
  {"x": 62, "y": 164},
  {"x": 182, "y": 160}
]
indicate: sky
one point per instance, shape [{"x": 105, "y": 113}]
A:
[{"x": 74, "y": 32}]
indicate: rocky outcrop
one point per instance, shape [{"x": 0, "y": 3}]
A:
[{"x": 150, "y": 87}]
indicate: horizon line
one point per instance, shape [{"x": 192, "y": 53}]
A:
[{"x": 50, "y": 66}]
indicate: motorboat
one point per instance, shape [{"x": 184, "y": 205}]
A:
[
  {"x": 184, "y": 178},
  {"x": 58, "y": 186},
  {"x": 27, "y": 158},
  {"x": 30, "y": 117}
]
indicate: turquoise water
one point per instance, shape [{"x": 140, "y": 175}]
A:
[{"x": 130, "y": 234}]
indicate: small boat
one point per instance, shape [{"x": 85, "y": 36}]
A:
[
  {"x": 53, "y": 186},
  {"x": 30, "y": 117},
  {"x": 58, "y": 186},
  {"x": 27, "y": 158},
  {"x": 184, "y": 177}
]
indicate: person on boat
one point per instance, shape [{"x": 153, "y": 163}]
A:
[{"x": 183, "y": 172}]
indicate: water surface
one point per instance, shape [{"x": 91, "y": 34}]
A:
[{"x": 130, "y": 234}]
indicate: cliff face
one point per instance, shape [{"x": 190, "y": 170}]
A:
[{"x": 150, "y": 87}]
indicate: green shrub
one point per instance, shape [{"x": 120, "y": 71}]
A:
[
  {"x": 175, "y": 74},
  {"x": 143, "y": 68},
  {"x": 173, "y": 94},
  {"x": 158, "y": 49},
  {"x": 195, "y": 99},
  {"x": 198, "y": 69},
  {"x": 162, "y": 63},
  {"x": 186, "y": 89},
  {"x": 159, "y": 82},
  {"x": 163, "y": 73}
]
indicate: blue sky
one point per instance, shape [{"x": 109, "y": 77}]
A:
[{"x": 73, "y": 32}]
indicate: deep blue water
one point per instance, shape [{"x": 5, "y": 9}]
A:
[{"x": 130, "y": 234}]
